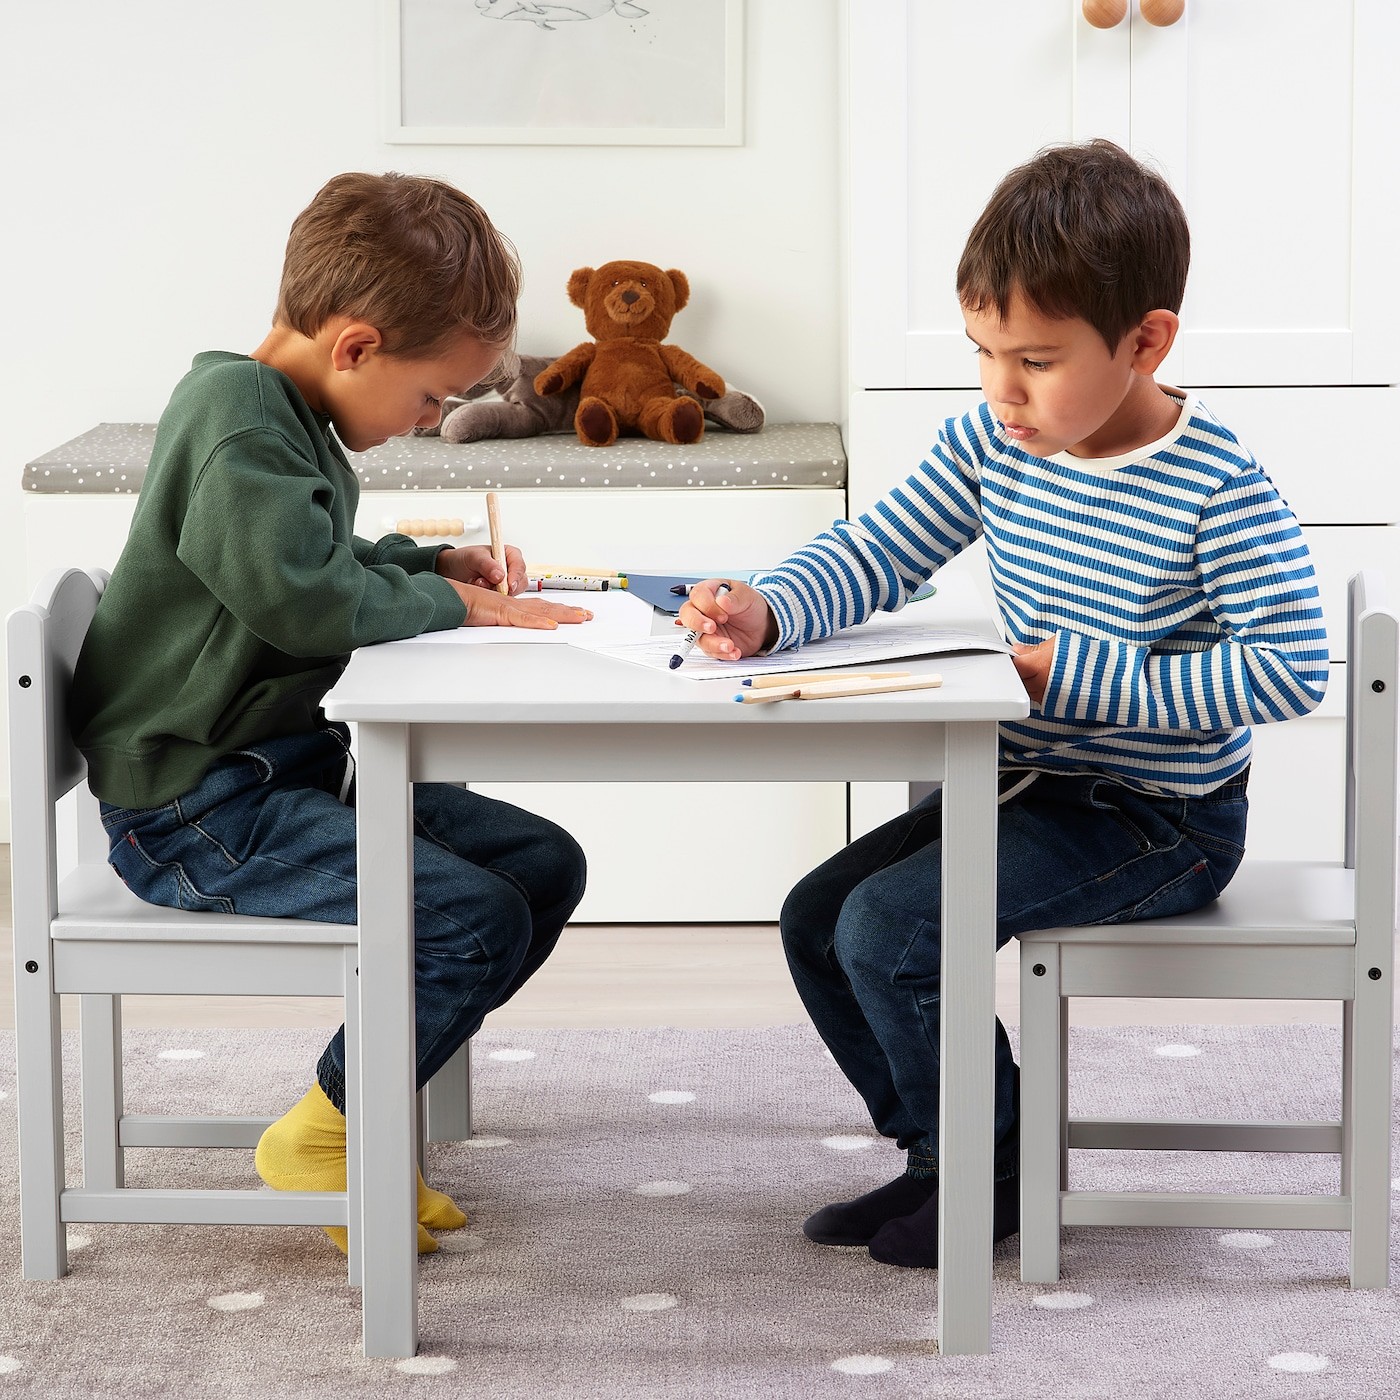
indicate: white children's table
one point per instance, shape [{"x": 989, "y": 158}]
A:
[{"x": 556, "y": 713}]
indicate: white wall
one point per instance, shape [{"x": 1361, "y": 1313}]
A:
[{"x": 155, "y": 153}]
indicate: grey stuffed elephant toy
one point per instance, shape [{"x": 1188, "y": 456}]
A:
[{"x": 519, "y": 412}]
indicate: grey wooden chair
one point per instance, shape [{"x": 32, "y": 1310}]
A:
[
  {"x": 1310, "y": 930},
  {"x": 79, "y": 931}
]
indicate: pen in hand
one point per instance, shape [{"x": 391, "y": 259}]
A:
[{"x": 692, "y": 635}]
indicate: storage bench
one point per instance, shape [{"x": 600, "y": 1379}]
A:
[{"x": 728, "y": 503}]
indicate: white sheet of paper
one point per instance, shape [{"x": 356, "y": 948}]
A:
[
  {"x": 884, "y": 637},
  {"x": 617, "y": 619}
]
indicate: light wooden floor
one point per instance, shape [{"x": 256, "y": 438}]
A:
[{"x": 653, "y": 975}]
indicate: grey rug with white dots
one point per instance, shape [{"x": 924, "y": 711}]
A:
[{"x": 635, "y": 1200}]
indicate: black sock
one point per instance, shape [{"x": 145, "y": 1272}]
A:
[
  {"x": 911, "y": 1242},
  {"x": 855, "y": 1222}
]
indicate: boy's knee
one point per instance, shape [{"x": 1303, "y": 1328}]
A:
[
  {"x": 876, "y": 940},
  {"x": 560, "y": 869}
]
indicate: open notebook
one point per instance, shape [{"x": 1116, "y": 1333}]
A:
[{"x": 884, "y": 637}]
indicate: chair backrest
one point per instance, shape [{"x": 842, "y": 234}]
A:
[
  {"x": 43, "y": 639},
  {"x": 1373, "y": 767}
]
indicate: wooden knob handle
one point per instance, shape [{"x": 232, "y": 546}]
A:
[
  {"x": 1162, "y": 13},
  {"x": 1104, "y": 14}
]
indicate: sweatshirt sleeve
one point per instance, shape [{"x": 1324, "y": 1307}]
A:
[
  {"x": 1258, "y": 585},
  {"x": 259, "y": 533},
  {"x": 879, "y": 560}
]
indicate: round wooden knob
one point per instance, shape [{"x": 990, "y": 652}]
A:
[
  {"x": 1104, "y": 14},
  {"x": 1162, "y": 13}
]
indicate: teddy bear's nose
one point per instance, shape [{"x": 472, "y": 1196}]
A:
[{"x": 630, "y": 296}]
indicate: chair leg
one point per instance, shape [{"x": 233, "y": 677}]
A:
[
  {"x": 1367, "y": 1030},
  {"x": 354, "y": 1237},
  {"x": 447, "y": 1099},
  {"x": 1043, "y": 1050},
  {"x": 100, "y": 1019},
  {"x": 39, "y": 1086}
]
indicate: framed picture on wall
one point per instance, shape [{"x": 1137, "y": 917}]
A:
[{"x": 564, "y": 72}]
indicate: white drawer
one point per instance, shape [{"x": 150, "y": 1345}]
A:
[
  {"x": 649, "y": 531},
  {"x": 1318, "y": 445}
]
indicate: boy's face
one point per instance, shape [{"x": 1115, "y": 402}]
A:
[
  {"x": 372, "y": 396},
  {"x": 1055, "y": 386}
]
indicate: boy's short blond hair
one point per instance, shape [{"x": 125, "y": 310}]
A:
[
  {"x": 412, "y": 256},
  {"x": 1080, "y": 231}
]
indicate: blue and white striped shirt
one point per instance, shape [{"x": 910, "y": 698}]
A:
[{"x": 1174, "y": 581}]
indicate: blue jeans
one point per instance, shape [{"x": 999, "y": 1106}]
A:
[
  {"x": 863, "y": 938},
  {"x": 265, "y": 832}
]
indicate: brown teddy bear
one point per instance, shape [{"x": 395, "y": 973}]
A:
[
  {"x": 628, "y": 376},
  {"x": 505, "y": 405}
]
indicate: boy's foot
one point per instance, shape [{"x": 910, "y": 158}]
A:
[
  {"x": 304, "y": 1150},
  {"x": 856, "y": 1222},
  {"x": 911, "y": 1242}
]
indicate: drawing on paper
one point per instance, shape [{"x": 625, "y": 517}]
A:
[{"x": 546, "y": 16}]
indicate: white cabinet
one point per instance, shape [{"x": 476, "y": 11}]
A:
[
  {"x": 1275, "y": 123},
  {"x": 632, "y": 833}
]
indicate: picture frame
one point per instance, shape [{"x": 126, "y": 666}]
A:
[{"x": 564, "y": 72}]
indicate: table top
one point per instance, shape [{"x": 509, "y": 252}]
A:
[{"x": 502, "y": 683}]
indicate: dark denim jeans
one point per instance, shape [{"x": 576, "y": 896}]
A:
[
  {"x": 265, "y": 832},
  {"x": 863, "y": 940}
]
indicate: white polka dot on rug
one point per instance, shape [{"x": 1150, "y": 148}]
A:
[
  {"x": 78, "y": 1241},
  {"x": 454, "y": 1242},
  {"x": 649, "y": 1302},
  {"x": 235, "y": 1302},
  {"x": 862, "y": 1365},
  {"x": 481, "y": 1140},
  {"x": 509, "y": 1054},
  {"x": 1299, "y": 1362},
  {"x": 662, "y": 1188},
  {"x": 672, "y": 1096},
  {"x": 1062, "y": 1300},
  {"x": 1244, "y": 1239},
  {"x": 8, "y": 1364},
  {"x": 848, "y": 1142},
  {"x": 426, "y": 1365},
  {"x": 1177, "y": 1052},
  {"x": 182, "y": 1054}
]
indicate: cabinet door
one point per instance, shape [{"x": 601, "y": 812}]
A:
[
  {"x": 1277, "y": 125},
  {"x": 1274, "y": 123}
]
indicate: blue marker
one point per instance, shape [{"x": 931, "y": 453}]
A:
[{"x": 693, "y": 635}]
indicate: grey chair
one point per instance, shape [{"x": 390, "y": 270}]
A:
[
  {"x": 1307, "y": 930},
  {"x": 79, "y": 931}
]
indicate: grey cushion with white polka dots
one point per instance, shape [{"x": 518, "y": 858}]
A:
[{"x": 112, "y": 458}]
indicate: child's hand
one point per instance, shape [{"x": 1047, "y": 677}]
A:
[
  {"x": 473, "y": 564},
  {"x": 1032, "y": 664},
  {"x": 734, "y": 626},
  {"x": 487, "y": 608}
]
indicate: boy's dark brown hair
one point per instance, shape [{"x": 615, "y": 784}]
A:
[
  {"x": 1082, "y": 231},
  {"x": 414, "y": 257}
]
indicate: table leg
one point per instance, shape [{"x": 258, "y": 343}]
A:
[
  {"x": 967, "y": 1085},
  {"x": 386, "y": 1080}
]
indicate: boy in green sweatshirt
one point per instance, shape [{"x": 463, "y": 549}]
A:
[{"x": 242, "y": 590}]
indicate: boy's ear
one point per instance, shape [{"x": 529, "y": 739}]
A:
[
  {"x": 1153, "y": 340},
  {"x": 354, "y": 343}
]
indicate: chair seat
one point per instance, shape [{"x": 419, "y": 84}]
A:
[
  {"x": 94, "y": 904},
  {"x": 1268, "y": 902}
]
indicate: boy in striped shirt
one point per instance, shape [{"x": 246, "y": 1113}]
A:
[{"x": 1160, "y": 599}]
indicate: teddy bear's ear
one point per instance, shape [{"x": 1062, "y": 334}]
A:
[
  {"x": 682, "y": 285},
  {"x": 578, "y": 284}
]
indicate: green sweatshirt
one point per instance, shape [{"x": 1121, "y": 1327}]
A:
[{"x": 242, "y": 588}]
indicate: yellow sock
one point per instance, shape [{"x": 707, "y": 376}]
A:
[
  {"x": 304, "y": 1150},
  {"x": 437, "y": 1210}
]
